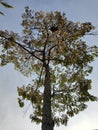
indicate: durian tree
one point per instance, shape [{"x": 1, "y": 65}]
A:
[{"x": 52, "y": 49}]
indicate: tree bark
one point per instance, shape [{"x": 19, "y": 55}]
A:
[{"x": 47, "y": 121}]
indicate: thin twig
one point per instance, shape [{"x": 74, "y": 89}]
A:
[
  {"x": 39, "y": 78},
  {"x": 27, "y": 108}
]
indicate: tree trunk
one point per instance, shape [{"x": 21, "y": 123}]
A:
[{"x": 47, "y": 122}]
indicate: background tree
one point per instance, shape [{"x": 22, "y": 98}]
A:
[
  {"x": 6, "y": 5},
  {"x": 53, "y": 48}
]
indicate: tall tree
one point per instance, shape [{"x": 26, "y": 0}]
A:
[
  {"x": 6, "y": 5},
  {"x": 53, "y": 48}
]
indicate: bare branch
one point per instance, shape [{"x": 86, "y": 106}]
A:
[
  {"x": 49, "y": 50},
  {"x": 58, "y": 92},
  {"x": 19, "y": 44},
  {"x": 32, "y": 53},
  {"x": 92, "y": 33},
  {"x": 44, "y": 51}
]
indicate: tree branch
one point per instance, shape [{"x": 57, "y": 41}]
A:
[
  {"x": 51, "y": 47},
  {"x": 57, "y": 92},
  {"x": 19, "y": 44},
  {"x": 39, "y": 78},
  {"x": 92, "y": 33}
]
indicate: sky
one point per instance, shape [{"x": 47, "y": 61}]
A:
[{"x": 11, "y": 116}]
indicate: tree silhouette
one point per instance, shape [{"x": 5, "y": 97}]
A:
[{"x": 53, "y": 48}]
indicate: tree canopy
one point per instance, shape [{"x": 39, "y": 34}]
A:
[{"x": 51, "y": 39}]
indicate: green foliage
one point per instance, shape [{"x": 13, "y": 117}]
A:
[
  {"x": 6, "y": 5},
  {"x": 1, "y": 13},
  {"x": 49, "y": 38},
  {"x": 21, "y": 103},
  {"x": 35, "y": 97}
]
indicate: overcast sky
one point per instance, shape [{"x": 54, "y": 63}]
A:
[{"x": 11, "y": 116}]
